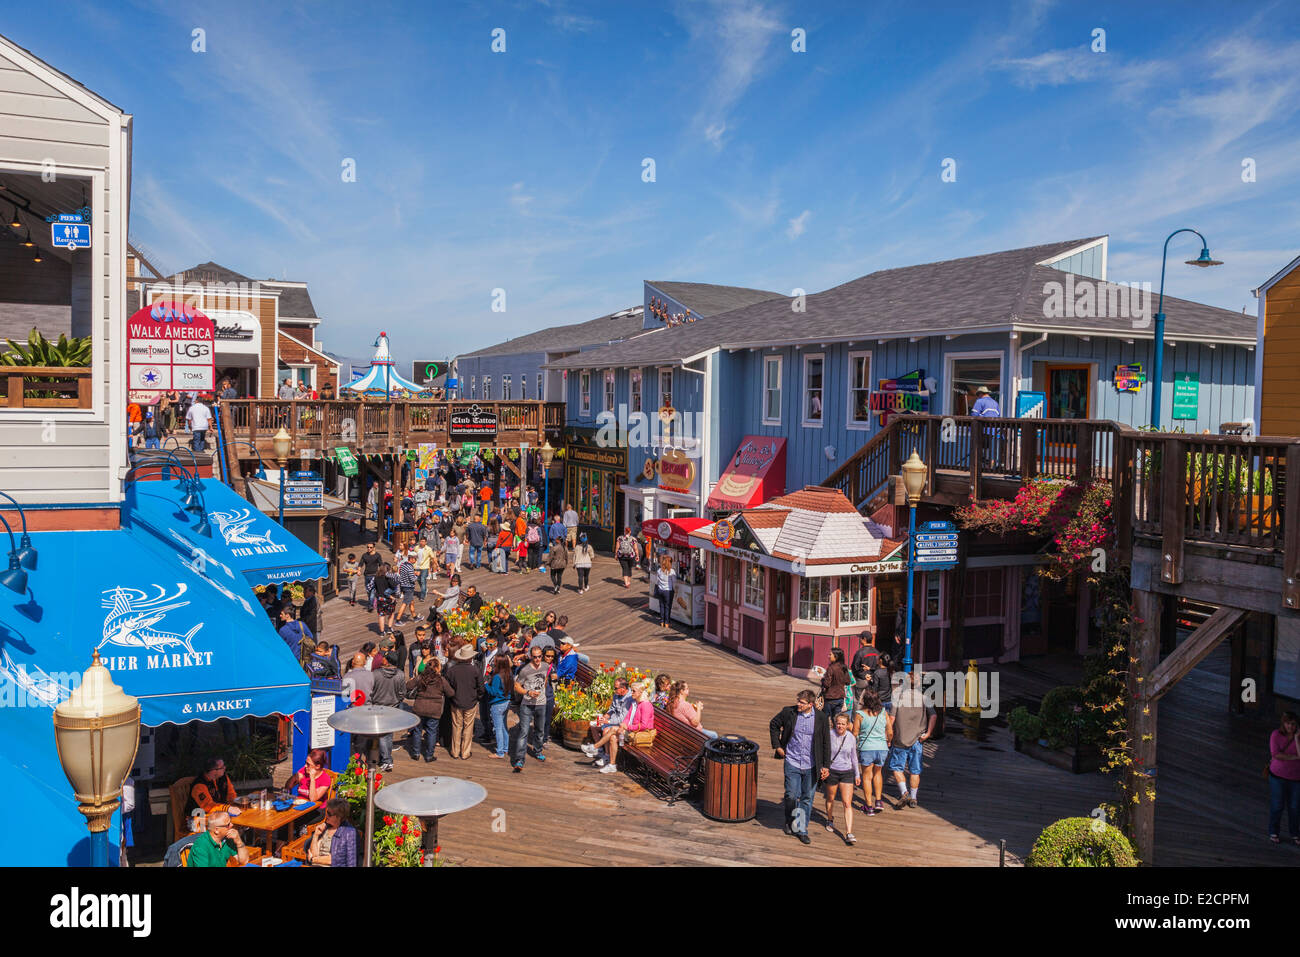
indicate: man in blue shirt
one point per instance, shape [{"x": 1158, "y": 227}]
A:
[
  {"x": 801, "y": 735},
  {"x": 556, "y": 533},
  {"x": 985, "y": 404},
  {"x": 566, "y": 669},
  {"x": 296, "y": 634}
]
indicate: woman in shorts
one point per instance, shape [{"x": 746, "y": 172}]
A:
[
  {"x": 844, "y": 774},
  {"x": 873, "y": 726}
]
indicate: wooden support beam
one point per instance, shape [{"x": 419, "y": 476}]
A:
[
  {"x": 1173, "y": 510},
  {"x": 1144, "y": 655},
  {"x": 1122, "y": 500},
  {"x": 1029, "y": 431},
  {"x": 1193, "y": 650},
  {"x": 1291, "y": 531}
]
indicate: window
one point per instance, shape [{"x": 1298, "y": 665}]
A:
[
  {"x": 812, "y": 390},
  {"x": 713, "y": 573},
  {"x": 754, "y": 585},
  {"x": 771, "y": 390},
  {"x": 584, "y": 392},
  {"x": 635, "y": 379},
  {"x": 983, "y": 597},
  {"x": 473, "y": 387},
  {"x": 609, "y": 391},
  {"x": 505, "y": 388},
  {"x": 859, "y": 389},
  {"x": 815, "y": 599},
  {"x": 966, "y": 374},
  {"x": 539, "y": 386},
  {"x": 523, "y": 386},
  {"x": 855, "y": 599},
  {"x": 665, "y": 387},
  {"x": 487, "y": 387},
  {"x": 933, "y": 596}
]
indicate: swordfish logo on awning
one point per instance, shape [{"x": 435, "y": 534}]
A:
[
  {"x": 133, "y": 613},
  {"x": 235, "y": 530}
]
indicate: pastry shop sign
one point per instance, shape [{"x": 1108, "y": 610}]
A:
[
  {"x": 677, "y": 473},
  {"x": 170, "y": 345}
]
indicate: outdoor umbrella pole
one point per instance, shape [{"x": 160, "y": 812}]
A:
[{"x": 372, "y": 759}]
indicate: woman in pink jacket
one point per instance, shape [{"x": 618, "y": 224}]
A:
[{"x": 641, "y": 718}]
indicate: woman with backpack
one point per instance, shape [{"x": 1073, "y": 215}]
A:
[
  {"x": 583, "y": 556},
  {"x": 429, "y": 697},
  {"x": 626, "y": 551},
  {"x": 534, "y": 539},
  {"x": 557, "y": 560}
]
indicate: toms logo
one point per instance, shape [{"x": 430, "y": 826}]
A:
[{"x": 75, "y": 910}]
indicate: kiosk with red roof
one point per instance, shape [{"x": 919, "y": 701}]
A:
[{"x": 673, "y": 538}]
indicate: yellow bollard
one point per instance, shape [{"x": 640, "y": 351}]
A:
[{"x": 970, "y": 707}]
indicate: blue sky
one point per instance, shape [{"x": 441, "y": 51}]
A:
[{"x": 522, "y": 170}]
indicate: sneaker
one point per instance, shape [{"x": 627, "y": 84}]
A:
[
  {"x": 785, "y": 828},
  {"x": 871, "y": 811},
  {"x": 519, "y": 767},
  {"x": 539, "y": 756},
  {"x": 911, "y": 802},
  {"x": 880, "y": 806},
  {"x": 830, "y": 826},
  {"x": 601, "y": 762},
  {"x": 902, "y": 803},
  {"x": 589, "y": 750},
  {"x": 850, "y": 840},
  {"x": 609, "y": 769},
  {"x": 386, "y": 767},
  {"x": 804, "y": 838},
  {"x": 430, "y": 759}
]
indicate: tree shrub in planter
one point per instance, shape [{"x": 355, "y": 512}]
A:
[
  {"x": 1081, "y": 842},
  {"x": 1024, "y": 725}
]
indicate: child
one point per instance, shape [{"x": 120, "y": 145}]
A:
[{"x": 352, "y": 569}]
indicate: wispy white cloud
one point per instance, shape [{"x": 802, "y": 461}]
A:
[{"x": 796, "y": 227}]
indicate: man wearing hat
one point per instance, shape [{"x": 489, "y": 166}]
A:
[
  {"x": 466, "y": 680},
  {"x": 566, "y": 669},
  {"x": 985, "y": 404}
]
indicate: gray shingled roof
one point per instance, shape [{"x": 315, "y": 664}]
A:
[
  {"x": 706, "y": 299},
  {"x": 295, "y": 302},
  {"x": 611, "y": 328},
  {"x": 221, "y": 273},
  {"x": 993, "y": 291}
]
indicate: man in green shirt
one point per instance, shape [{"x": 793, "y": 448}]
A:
[{"x": 218, "y": 845}]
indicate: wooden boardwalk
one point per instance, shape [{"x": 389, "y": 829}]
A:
[{"x": 973, "y": 794}]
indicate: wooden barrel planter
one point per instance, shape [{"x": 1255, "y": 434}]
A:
[
  {"x": 573, "y": 733},
  {"x": 730, "y": 779}
]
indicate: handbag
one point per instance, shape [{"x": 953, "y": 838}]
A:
[{"x": 641, "y": 739}]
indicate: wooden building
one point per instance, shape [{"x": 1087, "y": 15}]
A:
[{"x": 1277, "y": 353}]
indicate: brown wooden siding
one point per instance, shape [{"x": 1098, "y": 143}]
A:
[{"x": 1280, "y": 385}]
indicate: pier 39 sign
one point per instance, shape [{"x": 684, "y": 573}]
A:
[{"x": 170, "y": 345}]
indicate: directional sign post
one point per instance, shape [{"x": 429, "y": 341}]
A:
[
  {"x": 935, "y": 546},
  {"x": 304, "y": 493}
]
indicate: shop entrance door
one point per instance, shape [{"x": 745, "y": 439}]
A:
[
  {"x": 778, "y": 648},
  {"x": 889, "y": 596},
  {"x": 1069, "y": 396},
  {"x": 732, "y": 619}
]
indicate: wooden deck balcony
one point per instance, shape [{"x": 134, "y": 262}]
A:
[
  {"x": 1214, "y": 497},
  {"x": 42, "y": 387},
  {"x": 379, "y": 427}
]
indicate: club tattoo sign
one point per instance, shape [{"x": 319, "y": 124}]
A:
[{"x": 171, "y": 346}]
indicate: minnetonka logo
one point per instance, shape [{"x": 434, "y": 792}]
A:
[{"x": 76, "y": 910}]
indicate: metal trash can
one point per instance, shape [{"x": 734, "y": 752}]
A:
[{"x": 730, "y": 779}]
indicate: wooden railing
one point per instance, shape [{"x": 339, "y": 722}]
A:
[
  {"x": 1217, "y": 490},
  {"x": 45, "y": 387},
  {"x": 372, "y": 425}
]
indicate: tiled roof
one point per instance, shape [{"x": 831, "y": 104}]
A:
[
  {"x": 991, "y": 291},
  {"x": 815, "y": 498},
  {"x": 815, "y": 524},
  {"x": 706, "y": 299},
  {"x": 615, "y": 327}
]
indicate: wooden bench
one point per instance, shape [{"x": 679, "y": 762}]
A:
[{"x": 671, "y": 766}]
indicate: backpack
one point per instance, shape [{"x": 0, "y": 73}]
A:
[
  {"x": 306, "y": 646},
  {"x": 627, "y": 547},
  {"x": 533, "y": 535}
]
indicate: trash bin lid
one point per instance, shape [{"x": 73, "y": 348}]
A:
[{"x": 731, "y": 749}]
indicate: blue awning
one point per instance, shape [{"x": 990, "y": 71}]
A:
[
  {"x": 171, "y": 631},
  {"x": 241, "y": 540}
]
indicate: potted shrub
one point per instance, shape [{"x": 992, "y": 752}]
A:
[
  {"x": 1069, "y": 734},
  {"x": 1025, "y": 726},
  {"x": 1081, "y": 842}
]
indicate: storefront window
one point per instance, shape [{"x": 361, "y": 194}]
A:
[
  {"x": 933, "y": 595},
  {"x": 754, "y": 585},
  {"x": 636, "y": 390},
  {"x": 812, "y": 390},
  {"x": 584, "y": 389},
  {"x": 967, "y": 374},
  {"x": 609, "y": 390},
  {"x": 771, "y": 390},
  {"x": 713, "y": 573},
  {"x": 815, "y": 599},
  {"x": 855, "y": 599},
  {"x": 859, "y": 388}
]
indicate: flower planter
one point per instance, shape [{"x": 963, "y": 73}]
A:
[
  {"x": 573, "y": 733},
  {"x": 1082, "y": 760}
]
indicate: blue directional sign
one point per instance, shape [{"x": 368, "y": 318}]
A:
[{"x": 935, "y": 546}]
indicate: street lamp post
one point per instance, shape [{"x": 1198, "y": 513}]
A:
[
  {"x": 1158, "y": 360},
  {"x": 97, "y": 731},
  {"x": 914, "y": 473},
  {"x": 281, "y": 443},
  {"x": 547, "y": 454}
]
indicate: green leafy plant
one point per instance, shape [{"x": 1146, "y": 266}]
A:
[
  {"x": 397, "y": 842},
  {"x": 40, "y": 352},
  {"x": 1024, "y": 725},
  {"x": 1081, "y": 842}
]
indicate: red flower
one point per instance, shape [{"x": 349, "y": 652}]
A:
[
  {"x": 405, "y": 827},
  {"x": 438, "y": 849},
  {"x": 379, "y": 777},
  {"x": 388, "y": 820},
  {"x": 400, "y": 840}
]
